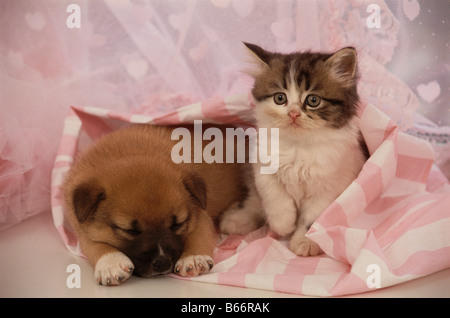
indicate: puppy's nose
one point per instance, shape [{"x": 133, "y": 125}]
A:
[{"x": 161, "y": 263}]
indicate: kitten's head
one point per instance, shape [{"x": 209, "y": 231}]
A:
[{"x": 304, "y": 90}]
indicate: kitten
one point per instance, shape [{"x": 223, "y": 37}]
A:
[{"x": 312, "y": 99}]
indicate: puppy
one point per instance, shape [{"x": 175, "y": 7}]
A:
[{"x": 136, "y": 211}]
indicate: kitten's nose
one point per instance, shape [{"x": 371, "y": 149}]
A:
[{"x": 294, "y": 114}]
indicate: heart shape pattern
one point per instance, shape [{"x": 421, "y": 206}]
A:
[
  {"x": 35, "y": 20},
  {"x": 178, "y": 21},
  {"x": 411, "y": 9},
  {"x": 137, "y": 68},
  {"x": 200, "y": 51},
  {"x": 430, "y": 91},
  {"x": 243, "y": 8},
  {"x": 282, "y": 29}
]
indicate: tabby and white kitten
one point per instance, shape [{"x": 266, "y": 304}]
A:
[{"x": 312, "y": 99}]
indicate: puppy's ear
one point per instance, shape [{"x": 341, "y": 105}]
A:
[
  {"x": 86, "y": 198},
  {"x": 195, "y": 185}
]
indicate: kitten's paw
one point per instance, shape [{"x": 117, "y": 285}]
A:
[
  {"x": 283, "y": 224},
  {"x": 304, "y": 247},
  {"x": 240, "y": 220}
]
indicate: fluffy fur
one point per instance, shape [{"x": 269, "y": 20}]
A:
[
  {"x": 135, "y": 211},
  {"x": 312, "y": 99}
]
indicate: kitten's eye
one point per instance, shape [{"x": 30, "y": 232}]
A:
[
  {"x": 313, "y": 100},
  {"x": 280, "y": 98}
]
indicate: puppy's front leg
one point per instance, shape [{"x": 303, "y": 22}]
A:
[
  {"x": 199, "y": 246},
  {"x": 112, "y": 267}
]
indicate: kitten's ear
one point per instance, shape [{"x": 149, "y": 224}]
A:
[
  {"x": 343, "y": 64},
  {"x": 261, "y": 54},
  {"x": 258, "y": 59}
]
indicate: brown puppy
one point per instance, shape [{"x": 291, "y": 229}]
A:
[{"x": 135, "y": 210}]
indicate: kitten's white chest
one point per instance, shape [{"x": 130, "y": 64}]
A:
[
  {"x": 298, "y": 168},
  {"x": 310, "y": 169}
]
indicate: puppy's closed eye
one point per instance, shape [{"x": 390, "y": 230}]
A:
[
  {"x": 132, "y": 230},
  {"x": 178, "y": 225}
]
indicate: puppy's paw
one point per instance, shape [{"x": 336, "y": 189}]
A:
[
  {"x": 304, "y": 247},
  {"x": 113, "y": 269},
  {"x": 193, "y": 265}
]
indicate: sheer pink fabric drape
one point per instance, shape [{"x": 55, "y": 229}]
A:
[{"x": 151, "y": 57}]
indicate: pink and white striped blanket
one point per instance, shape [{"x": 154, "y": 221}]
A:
[{"x": 391, "y": 225}]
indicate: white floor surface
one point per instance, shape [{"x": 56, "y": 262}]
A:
[{"x": 33, "y": 263}]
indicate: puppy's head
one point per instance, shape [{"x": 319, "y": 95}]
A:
[{"x": 143, "y": 211}]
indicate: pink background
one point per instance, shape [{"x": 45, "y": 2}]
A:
[{"x": 151, "y": 57}]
